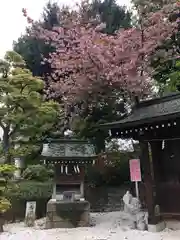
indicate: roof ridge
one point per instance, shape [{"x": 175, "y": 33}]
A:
[{"x": 157, "y": 100}]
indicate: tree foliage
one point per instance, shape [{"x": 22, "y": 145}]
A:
[
  {"x": 87, "y": 62},
  {"x": 165, "y": 58},
  {"x": 6, "y": 171},
  {"x": 86, "y": 125},
  {"x": 38, "y": 173},
  {"x": 89, "y": 66},
  {"x": 33, "y": 50},
  {"x": 24, "y": 114},
  {"x": 109, "y": 12}
]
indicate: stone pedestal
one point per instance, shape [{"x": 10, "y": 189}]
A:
[{"x": 67, "y": 214}]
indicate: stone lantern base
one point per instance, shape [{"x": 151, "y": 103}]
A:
[{"x": 63, "y": 214}]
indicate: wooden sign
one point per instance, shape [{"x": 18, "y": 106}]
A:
[
  {"x": 30, "y": 214},
  {"x": 135, "y": 170}
]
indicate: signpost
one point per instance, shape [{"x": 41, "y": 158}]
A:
[{"x": 135, "y": 173}]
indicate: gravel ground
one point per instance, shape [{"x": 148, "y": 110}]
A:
[{"x": 107, "y": 226}]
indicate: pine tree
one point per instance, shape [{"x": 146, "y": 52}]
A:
[{"x": 24, "y": 114}]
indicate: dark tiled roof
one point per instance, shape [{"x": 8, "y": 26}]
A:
[{"x": 158, "y": 109}]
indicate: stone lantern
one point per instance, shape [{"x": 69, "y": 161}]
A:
[{"x": 68, "y": 207}]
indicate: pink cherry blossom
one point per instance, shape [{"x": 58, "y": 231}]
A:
[{"x": 87, "y": 62}]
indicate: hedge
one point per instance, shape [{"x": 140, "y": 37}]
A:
[{"x": 28, "y": 191}]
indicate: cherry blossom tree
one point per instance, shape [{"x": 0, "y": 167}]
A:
[
  {"x": 166, "y": 54},
  {"x": 88, "y": 63}
]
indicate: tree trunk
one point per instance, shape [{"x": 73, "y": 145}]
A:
[
  {"x": 1, "y": 224},
  {"x": 99, "y": 143},
  {"x": 6, "y": 145}
]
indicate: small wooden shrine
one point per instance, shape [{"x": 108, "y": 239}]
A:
[
  {"x": 156, "y": 125},
  {"x": 68, "y": 208}
]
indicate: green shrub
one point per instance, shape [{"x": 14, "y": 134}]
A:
[
  {"x": 38, "y": 173},
  {"x": 31, "y": 190},
  {"x": 7, "y": 170},
  {"x": 93, "y": 177},
  {"x": 116, "y": 170},
  {"x": 112, "y": 175},
  {"x": 40, "y": 192}
]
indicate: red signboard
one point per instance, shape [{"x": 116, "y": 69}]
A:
[{"x": 135, "y": 170}]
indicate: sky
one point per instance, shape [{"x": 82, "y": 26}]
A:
[{"x": 13, "y": 24}]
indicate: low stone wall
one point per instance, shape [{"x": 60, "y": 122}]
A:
[{"x": 67, "y": 214}]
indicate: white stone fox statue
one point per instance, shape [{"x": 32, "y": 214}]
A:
[{"x": 132, "y": 207}]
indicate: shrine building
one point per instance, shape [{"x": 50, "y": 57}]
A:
[{"x": 155, "y": 124}]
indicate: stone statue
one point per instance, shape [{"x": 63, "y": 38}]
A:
[{"x": 132, "y": 207}]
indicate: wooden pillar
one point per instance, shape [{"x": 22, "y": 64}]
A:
[
  {"x": 150, "y": 190},
  {"x": 156, "y": 151}
]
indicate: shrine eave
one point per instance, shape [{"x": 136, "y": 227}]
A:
[
  {"x": 68, "y": 159},
  {"x": 66, "y": 140},
  {"x": 71, "y": 158},
  {"x": 149, "y": 112},
  {"x": 123, "y": 125},
  {"x": 78, "y": 160}
]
